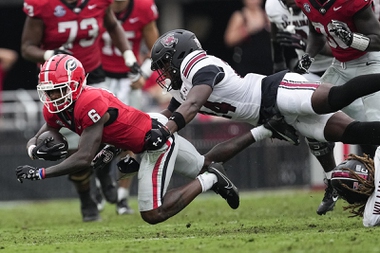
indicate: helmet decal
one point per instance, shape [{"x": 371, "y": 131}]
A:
[
  {"x": 71, "y": 65},
  {"x": 169, "y": 40}
]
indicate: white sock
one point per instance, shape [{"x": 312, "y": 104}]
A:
[
  {"x": 260, "y": 133},
  {"x": 328, "y": 174},
  {"x": 207, "y": 180},
  {"x": 122, "y": 193}
]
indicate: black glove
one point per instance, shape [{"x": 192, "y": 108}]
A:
[
  {"x": 53, "y": 153},
  {"x": 303, "y": 65},
  {"x": 104, "y": 157},
  {"x": 157, "y": 138},
  {"x": 292, "y": 40},
  {"x": 29, "y": 172},
  {"x": 128, "y": 166},
  {"x": 282, "y": 130},
  {"x": 342, "y": 31}
]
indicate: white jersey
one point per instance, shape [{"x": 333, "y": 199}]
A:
[
  {"x": 371, "y": 216},
  {"x": 240, "y": 101},
  {"x": 250, "y": 98},
  {"x": 279, "y": 14}
]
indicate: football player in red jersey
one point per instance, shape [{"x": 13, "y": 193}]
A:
[
  {"x": 353, "y": 33},
  {"x": 99, "y": 117},
  {"x": 73, "y": 27},
  {"x": 138, "y": 19}
]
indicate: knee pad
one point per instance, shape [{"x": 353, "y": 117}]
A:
[
  {"x": 82, "y": 177},
  {"x": 318, "y": 148}
]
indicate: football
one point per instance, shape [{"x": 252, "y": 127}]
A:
[{"x": 57, "y": 138}]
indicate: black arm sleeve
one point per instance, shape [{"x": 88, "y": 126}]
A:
[{"x": 210, "y": 75}]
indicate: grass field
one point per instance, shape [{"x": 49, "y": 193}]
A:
[{"x": 275, "y": 221}]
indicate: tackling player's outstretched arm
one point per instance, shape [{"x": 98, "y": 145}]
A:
[{"x": 195, "y": 99}]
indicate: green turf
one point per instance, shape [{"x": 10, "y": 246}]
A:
[{"x": 280, "y": 221}]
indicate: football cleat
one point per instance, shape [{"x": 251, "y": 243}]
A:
[
  {"x": 122, "y": 207},
  {"x": 224, "y": 187},
  {"x": 329, "y": 199},
  {"x": 282, "y": 130}
]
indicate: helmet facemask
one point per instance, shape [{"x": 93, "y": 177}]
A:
[
  {"x": 169, "y": 76},
  {"x": 66, "y": 90}
]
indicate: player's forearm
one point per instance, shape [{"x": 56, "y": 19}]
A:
[
  {"x": 315, "y": 44},
  {"x": 72, "y": 164}
]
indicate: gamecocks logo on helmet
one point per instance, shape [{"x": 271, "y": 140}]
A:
[
  {"x": 169, "y": 40},
  {"x": 71, "y": 65}
]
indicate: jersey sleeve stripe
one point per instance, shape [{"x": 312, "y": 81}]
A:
[{"x": 190, "y": 64}]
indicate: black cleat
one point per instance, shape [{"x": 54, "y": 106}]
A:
[
  {"x": 122, "y": 207},
  {"x": 329, "y": 199},
  {"x": 224, "y": 187},
  {"x": 282, "y": 130}
]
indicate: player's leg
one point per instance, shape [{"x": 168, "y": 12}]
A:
[
  {"x": 328, "y": 98},
  {"x": 323, "y": 151},
  {"x": 156, "y": 202},
  {"x": 122, "y": 206},
  {"x": 81, "y": 181}
]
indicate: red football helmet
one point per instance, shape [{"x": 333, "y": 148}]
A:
[{"x": 61, "y": 81}]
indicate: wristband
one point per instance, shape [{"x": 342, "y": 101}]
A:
[
  {"x": 48, "y": 54},
  {"x": 360, "y": 42},
  {"x": 30, "y": 151},
  {"x": 145, "y": 68},
  {"x": 41, "y": 173},
  {"x": 134, "y": 77},
  {"x": 179, "y": 120},
  {"x": 129, "y": 58}
]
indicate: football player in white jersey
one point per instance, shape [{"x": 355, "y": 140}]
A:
[
  {"x": 290, "y": 29},
  {"x": 206, "y": 84}
]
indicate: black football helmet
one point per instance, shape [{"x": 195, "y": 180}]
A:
[
  {"x": 168, "y": 53},
  {"x": 346, "y": 185}
]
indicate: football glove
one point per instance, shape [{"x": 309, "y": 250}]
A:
[
  {"x": 104, "y": 157},
  {"x": 30, "y": 173},
  {"x": 157, "y": 138},
  {"x": 43, "y": 152},
  {"x": 128, "y": 166},
  {"x": 282, "y": 130},
  {"x": 303, "y": 65},
  {"x": 292, "y": 40},
  {"x": 342, "y": 31}
]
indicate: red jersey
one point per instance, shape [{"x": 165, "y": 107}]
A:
[
  {"x": 137, "y": 15},
  {"x": 127, "y": 131},
  {"x": 343, "y": 10},
  {"x": 75, "y": 27}
]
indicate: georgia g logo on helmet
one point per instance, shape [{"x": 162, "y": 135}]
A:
[
  {"x": 71, "y": 65},
  {"x": 169, "y": 40}
]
